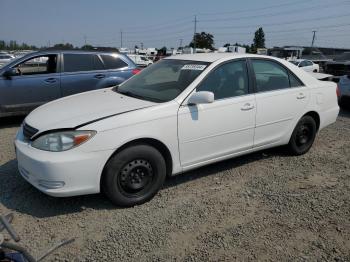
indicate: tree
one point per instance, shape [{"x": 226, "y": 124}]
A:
[
  {"x": 259, "y": 40},
  {"x": 227, "y": 45},
  {"x": 203, "y": 40},
  {"x": 87, "y": 47},
  {"x": 162, "y": 51},
  {"x": 66, "y": 46}
]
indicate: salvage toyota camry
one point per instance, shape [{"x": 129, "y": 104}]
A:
[{"x": 181, "y": 113}]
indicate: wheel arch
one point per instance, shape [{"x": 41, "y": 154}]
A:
[
  {"x": 160, "y": 146},
  {"x": 315, "y": 116}
]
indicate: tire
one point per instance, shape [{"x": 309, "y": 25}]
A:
[
  {"x": 303, "y": 136},
  {"x": 134, "y": 175}
]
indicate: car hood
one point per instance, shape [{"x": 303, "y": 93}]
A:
[{"x": 84, "y": 108}]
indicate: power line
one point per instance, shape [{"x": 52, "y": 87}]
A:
[
  {"x": 285, "y": 23},
  {"x": 215, "y": 20},
  {"x": 251, "y": 10}
]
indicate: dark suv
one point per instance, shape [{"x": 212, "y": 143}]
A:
[{"x": 39, "y": 77}]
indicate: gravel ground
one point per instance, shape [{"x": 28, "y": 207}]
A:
[{"x": 264, "y": 206}]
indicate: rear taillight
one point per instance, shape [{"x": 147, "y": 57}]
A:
[
  {"x": 136, "y": 71},
  {"x": 338, "y": 91}
]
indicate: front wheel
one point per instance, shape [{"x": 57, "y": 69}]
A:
[
  {"x": 303, "y": 136},
  {"x": 134, "y": 175}
]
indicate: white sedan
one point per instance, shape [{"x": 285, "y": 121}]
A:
[
  {"x": 5, "y": 58},
  {"x": 181, "y": 113},
  {"x": 306, "y": 65}
]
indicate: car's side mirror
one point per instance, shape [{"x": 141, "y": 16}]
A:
[
  {"x": 10, "y": 72},
  {"x": 201, "y": 97}
]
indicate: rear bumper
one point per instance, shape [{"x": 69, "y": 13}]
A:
[{"x": 329, "y": 116}]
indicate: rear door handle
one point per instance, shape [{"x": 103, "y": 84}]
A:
[
  {"x": 301, "y": 96},
  {"x": 99, "y": 76},
  {"x": 51, "y": 80},
  {"x": 247, "y": 107}
]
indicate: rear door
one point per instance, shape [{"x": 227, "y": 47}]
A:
[
  {"x": 81, "y": 72},
  {"x": 37, "y": 82},
  {"x": 118, "y": 68},
  {"x": 280, "y": 97}
]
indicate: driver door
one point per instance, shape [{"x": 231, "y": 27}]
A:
[
  {"x": 209, "y": 132},
  {"x": 37, "y": 81}
]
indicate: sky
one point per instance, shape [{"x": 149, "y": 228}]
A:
[{"x": 157, "y": 23}]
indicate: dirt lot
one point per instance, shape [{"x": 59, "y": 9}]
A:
[{"x": 264, "y": 206}]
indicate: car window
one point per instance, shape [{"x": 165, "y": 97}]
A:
[
  {"x": 294, "y": 81},
  {"x": 79, "y": 62},
  {"x": 308, "y": 63},
  {"x": 46, "y": 64},
  {"x": 302, "y": 64},
  {"x": 98, "y": 65},
  {"x": 228, "y": 80},
  {"x": 113, "y": 62},
  {"x": 270, "y": 75}
]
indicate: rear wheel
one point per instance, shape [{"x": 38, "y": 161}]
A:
[
  {"x": 303, "y": 136},
  {"x": 134, "y": 175}
]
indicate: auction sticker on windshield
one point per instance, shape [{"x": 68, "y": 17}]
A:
[{"x": 193, "y": 67}]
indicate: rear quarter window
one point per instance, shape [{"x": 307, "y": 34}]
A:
[{"x": 113, "y": 62}]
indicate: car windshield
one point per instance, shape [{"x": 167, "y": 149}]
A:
[{"x": 163, "y": 81}]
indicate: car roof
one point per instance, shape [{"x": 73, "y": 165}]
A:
[
  {"x": 212, "y": 57},
  {"x": 48, "y": 51}
]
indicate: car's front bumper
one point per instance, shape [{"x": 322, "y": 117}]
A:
[{"x": 60, "y": 174}]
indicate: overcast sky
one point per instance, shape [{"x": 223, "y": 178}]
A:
[{"x": 156, "y": 23}]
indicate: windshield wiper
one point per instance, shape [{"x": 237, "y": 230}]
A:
[
  {"x": 128, "y": 93},
  {"x": 131, "y": 94}
]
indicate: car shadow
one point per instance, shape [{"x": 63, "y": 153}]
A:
[
  {"x": 345, "y": 112},
  {"x": 20, "y": 196}
]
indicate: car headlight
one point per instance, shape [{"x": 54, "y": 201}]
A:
[{"x": 62, "y": 141}]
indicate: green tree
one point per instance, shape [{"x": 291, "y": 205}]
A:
[
  {"x": 87, "y": 47},
  {"x": 162, "y": 51},
  {"x": 203, "y": 40},
  {"x": 66, "y": 46},
  {"x": 259, "y": 40}
]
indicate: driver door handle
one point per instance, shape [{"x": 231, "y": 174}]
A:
[
  {"x": 301, "y": 96},
  {"x": 99, "y": 76},
  {"x": 51, "y": 80},
  {"x": 247, "y": 106}
]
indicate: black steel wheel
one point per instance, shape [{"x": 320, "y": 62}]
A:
[
  {"x": 303, "y": 136},
  {"x": 134, "y": 175}
]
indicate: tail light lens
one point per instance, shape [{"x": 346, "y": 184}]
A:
[
  {"x": 338, "y": 91},
  {"x": 136, "y": 71}
]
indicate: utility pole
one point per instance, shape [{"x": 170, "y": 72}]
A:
[
  {"x": 313, "y": 38},
  {"x": 181, "y": 43},
  {"x": 85, "y": 39},
  {"x": 141, "y": 45},
  {"x": 195, "y": 32},
  {"x": 121, "y": 38}
]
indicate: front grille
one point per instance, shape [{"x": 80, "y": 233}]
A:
[{"x": 29, "y": 131}]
